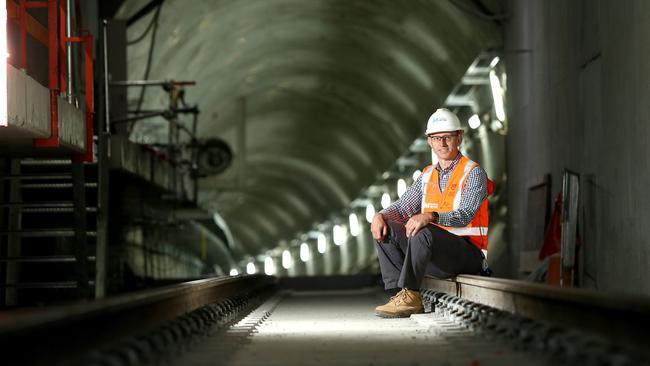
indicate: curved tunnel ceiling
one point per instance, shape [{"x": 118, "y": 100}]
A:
[{"x": 327, "y": 93}]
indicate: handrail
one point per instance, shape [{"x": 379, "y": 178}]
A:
[
  {"x": 168, "y": 114},
  {"x": 175, "y": 127},
  {"x": 32, "y": 26},
  {"x": 164, "y": 83}
]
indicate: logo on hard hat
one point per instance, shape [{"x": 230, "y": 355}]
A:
[{"x": 442, "y": 120}]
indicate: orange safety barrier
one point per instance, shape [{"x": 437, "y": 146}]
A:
[{"x": 555, "y": 275}]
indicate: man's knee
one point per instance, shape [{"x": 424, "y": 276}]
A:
[
  {"x": 422, "y": 238},
  {"x": 395, "y": 235}
]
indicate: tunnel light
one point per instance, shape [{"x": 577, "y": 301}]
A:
[
  {"x": 354, "y": 224},
  {"x": 322, "y": 245},
  {"x": 339, "y": 234},
  {"x": 234, "y": 272},
  {"x": 370, "y": 212},
  {"x": 250, "y": 268},
  {"x": 3, "y": 69},
  {"x": 474, "y": 121},
  {"x": 416, "y": 174},
  {"x": 494, "y": 62},
  {"x": 304, "y": 252},
  {"x": 269, "y": 266},
  {"x": 286, "y": 259},
  {"x": 401, "y": 187},
  {"x": 385, "y": 200},
  {"x": 496, "y": 95}
]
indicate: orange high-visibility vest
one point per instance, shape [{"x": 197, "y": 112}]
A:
[{"x": 433, "y": 200}]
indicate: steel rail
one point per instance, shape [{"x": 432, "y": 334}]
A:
[
  {"x": 58, "y": 334},
  {"x": 621, "y": 318}
]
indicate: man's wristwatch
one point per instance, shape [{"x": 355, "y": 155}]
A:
[{"x": 434, "y": 217}]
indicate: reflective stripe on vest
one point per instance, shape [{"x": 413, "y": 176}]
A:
[
  {"x": 449, "y": 200},
  {"x": 468, "y": 231},
  {"x": 468, "y": 167}
]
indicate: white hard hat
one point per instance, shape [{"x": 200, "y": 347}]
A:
[{"x": 442, "y": 120}]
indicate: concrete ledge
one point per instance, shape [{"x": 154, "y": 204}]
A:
[
  {"x": 466, "y": 285},
  {"x": 145, "y": 164},
  {"x": 37, "y": 106},
  {"x": 72, "y": 126},
  {"x": 28, "y": 117},
  {"x": 607, "y": 314}
]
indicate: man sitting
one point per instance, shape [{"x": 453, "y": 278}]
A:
[{"x": 440, "y": 224}]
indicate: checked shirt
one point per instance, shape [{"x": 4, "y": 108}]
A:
[{"x": 474, "y": 192}]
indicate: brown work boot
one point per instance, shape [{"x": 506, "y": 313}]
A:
[{"x": 402, "y": 305}]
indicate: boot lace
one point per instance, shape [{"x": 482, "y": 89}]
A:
[
  {"x": 400, "y": 297},
  {"x": 397, "y": 296}
]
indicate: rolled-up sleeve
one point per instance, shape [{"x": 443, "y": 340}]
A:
[{"x": 407, "y": 205}]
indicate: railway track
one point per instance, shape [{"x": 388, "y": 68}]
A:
[
  {"x": 148, "y": 327},
  {"x": 250, "y": 320}
]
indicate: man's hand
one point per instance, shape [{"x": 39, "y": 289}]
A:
[
  {"x": 417, "y": 222},
  {"x": 378, "y": 227}
]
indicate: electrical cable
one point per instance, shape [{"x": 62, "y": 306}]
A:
[
  {"x": 143, "y": 11},
  {"x": 144, "y": 34},
  {"x": 472, "y": 10}
]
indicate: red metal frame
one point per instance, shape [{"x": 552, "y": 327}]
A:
[
  {"x": 57, "y": 72},
  {"x": 22, "y": 17},
  {"x": 53, "y": 73}
]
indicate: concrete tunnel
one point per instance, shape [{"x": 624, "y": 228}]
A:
[
  {"x": 313, "y": 123},
  {"x": 244, "y": 146}
]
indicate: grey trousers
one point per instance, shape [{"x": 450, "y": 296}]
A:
[{"x": 434, "y": 251}]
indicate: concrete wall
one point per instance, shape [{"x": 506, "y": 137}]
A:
[{"x": 578, "y": 98}]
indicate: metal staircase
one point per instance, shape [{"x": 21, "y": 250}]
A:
[{"x": 48, "y": 231}]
